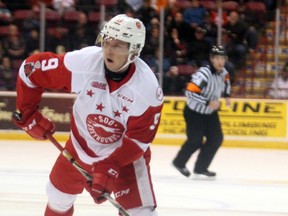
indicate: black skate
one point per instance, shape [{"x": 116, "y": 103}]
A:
[
  {"x": 183, "y": 170},
  {"x": 204, "y": 175}
]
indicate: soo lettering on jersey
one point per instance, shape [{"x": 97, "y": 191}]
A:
[{"x": 104, "y": 129}]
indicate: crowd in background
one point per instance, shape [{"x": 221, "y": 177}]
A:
[{"x": 189, "y": 33}]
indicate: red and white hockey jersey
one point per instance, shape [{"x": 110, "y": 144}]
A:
[{"x": 110, "y": 119}]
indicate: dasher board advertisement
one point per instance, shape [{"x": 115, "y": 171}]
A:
[
  {"x": 55, "y": 106},
  {"x": 247, "y": 123}
]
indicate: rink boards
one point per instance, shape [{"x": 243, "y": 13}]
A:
[{"x": 246, "y": 123}]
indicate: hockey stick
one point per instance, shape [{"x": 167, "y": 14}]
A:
[{"x": 87, "y": 176}]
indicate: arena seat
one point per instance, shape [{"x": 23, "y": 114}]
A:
[
  {"x": 93, "y": 17},
  {"x": 55, "y": 30},
  {"x": 3, "y": 31},
  {"x": 209, "y": 5},
  {"x": 107, "y": 3},
  {"x": 182, "y": 4},
  {"x": 53, "y": 18},
  {"x": 71, "y": 16},
  {"x": 186, "y": 70},
  {"x": 255, "y": 6},
  {"x": 230, "y": 5},
  {"x": 22, "y": 14}
]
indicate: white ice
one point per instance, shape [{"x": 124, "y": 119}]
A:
[{"x": 249, "y": 182}]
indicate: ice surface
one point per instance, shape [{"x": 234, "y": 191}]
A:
[{"x": 249, "y": 182}]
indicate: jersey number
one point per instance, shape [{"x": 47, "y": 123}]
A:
[
  {"x": 50, "y": 64},
  {"x": 156, "y": 121}
]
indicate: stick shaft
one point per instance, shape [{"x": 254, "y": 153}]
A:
[{"x": 70, "y": 158}]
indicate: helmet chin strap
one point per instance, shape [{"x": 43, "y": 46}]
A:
[{"x": 129, "y": 61}]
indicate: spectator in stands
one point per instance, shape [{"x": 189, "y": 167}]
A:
[
  {"x": 2, "y": 5},
  {"x": 235, "y": 32},
  {"x": 31, "y": 23},
  {"x": 5, "y": 14},
  {"x": 32, "y": 42},
  {"x": 231, "y": 70},
  {"x": 85, "y": 5},
  {"x": 251, "y": 39},
  {"x": 195, "y": 14},
  {"x": 199, "y": 48},
  {"x": 151, "y": 44},
  {"x": 128, "y": 11},
  {"x": 81, "y": 34},
  {"x": 279, "y": 86},
  {"x": 146, "y": 13},
  {"x": 60, "y": 49},
  {"x": 173, "y": 82},
  {"x": 177, "y": 48},
  {"x": 270, "y": 4},
  {"x": 7, "y": 75},
  {"x": 153, "y": 62},
  {"x": 211, "y": 29},
  {"x": 63, "y": 5},
  {"x": 185, "y": 32},
  {"x": 82, "y": 19},
  {"x": 215, "y": 17},
  {"x": 78, "y": 39},
  {"x": 57, "y": 38},
  {"x": 13, "y": 44},
  {"x": 171, "y": 10}
]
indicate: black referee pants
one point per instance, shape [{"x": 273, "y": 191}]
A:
[{"x": 198, "y": 126}]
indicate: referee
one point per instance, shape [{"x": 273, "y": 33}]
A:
[{"x": 207, "y": 85}]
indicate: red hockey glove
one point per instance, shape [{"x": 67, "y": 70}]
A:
[
  {"x": 104, "y": 174},
  {"x": 34, "y": 123}
]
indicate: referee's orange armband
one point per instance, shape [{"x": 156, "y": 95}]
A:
[{"x": 193, "y": 88}]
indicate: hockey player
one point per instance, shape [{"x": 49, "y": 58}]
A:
[{"x": 115, "y": 118}]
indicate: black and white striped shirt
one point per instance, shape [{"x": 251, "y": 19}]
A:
[{"x": 210, "y": 86}]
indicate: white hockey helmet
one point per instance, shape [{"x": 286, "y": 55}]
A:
[{"x": 127, "y": 29}]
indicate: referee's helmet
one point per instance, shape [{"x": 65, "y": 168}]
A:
[{"x": 218, "y": 50}]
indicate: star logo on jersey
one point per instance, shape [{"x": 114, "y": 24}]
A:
[
  {"x": 104, "y": 129},
  {"x": 117, "y": 113},
  {"x": 99, "y": 107},
  {"x": 125, "y": 109},
  {"x": 90, "y": 93}
]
